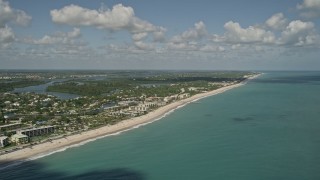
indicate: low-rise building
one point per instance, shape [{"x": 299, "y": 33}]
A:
[
  {"x": 37, "y": 131},
  {"x": 170, "y": 98},
  {"x": 19, "y": 139},
  {"x": 141, "y": 108},
  {"x": 183, "y": 96},
  {"x": 4, "y": 140},
  {"x": 127, "y": 103},
  {"x": 9, "y": 127},
  {"x": 146, "y": 106}
]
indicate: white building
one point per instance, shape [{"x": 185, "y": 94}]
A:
[
  {"x": 37, "y": 131},
  {"x": 19, "y": 139},
  {"x": 183, "y": 96},
  {"x": 4, "y": 140},
  {"x": 146, "y": 106}
]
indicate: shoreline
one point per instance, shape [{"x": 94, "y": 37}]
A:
[{"x": 57, "y": 145}]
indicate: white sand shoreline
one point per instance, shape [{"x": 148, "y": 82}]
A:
[{"x": 61, "y": 144}]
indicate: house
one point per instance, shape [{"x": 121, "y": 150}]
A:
[
  {"x": 19, "y": 139},
  {"x": 4, "y": 140}
]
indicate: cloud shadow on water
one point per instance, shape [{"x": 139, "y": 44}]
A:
[{"x": 34, "y": 170}]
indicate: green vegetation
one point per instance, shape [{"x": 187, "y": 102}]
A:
[
  {"x": 160, "y": 83},
  {"x": 107, "y": 97},
  {"x": 88, "y": 88}
]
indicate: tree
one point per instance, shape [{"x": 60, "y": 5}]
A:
[{"x": 2, "y": 113}]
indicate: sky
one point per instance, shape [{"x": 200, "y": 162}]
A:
[{"x": 162, "y": 34}]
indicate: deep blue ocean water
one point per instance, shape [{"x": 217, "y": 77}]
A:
[{"x": 266, "y": 129}]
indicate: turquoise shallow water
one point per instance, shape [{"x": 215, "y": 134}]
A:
[{"x": 267, "y": 129}]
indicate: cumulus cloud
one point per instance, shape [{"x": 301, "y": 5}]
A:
[
  {"x": 195, "y": 33},
  {"x": 118, "y": 18},
  {"x": 236, "y": 34},
  {"x": 295, "y": 33},
  {"x": 299, "y": 33},
  {"x": 159, "y": 36},
  {"x": 8, "y": 14},
  {"x": 61, "y": 45},
  {"x": 143, "y": 46},
  {"x": 309, "y": 8},
  {"x": 277, "y": 22},
  {"x": 138, "y": 47},
  {"x": 74, "y": 34},
  {"x": 6, "y": 37},
  {"x": 182, "y": 46},
  {"x": 190, "y": 39},
  {"x": 212, "y": 48},
  {"x": 58, "y": 38},
  {"x": 139, "y": 36}
]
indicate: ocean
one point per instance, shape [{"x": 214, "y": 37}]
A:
[{"x": 266, "y": 129}]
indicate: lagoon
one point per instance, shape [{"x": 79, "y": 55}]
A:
[{"x": 41, "y": 89}]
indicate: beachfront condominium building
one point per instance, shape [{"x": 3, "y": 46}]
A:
[
  {"x": 9, "y": 127},
  {"x": 19, "y": 139},
  {"x": 4, "y": 140},
  {"x": 37, "y": 131}
]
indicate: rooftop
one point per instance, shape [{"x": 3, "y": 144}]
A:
[
  {"x": 3, "y": 137},
  {"x": 19, "y": 136}
]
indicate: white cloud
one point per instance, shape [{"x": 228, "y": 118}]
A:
[
  {"x": 236, "y": 34},
  {"x": 61, "y": 45},
  {"x": 299, "y": 33},
  {"x": 8, "y": 14},
  {"x": 182, "y": 46},
  {"x": 6, "y": 37},
  {"x": 159, "y": 36},
  {"x": 199, "y": 31},
  {"x": 309, "y": 4},
  {"x": 284, "y": 33},
  {"x": 58, "y": 38},
  {"x": 211, "y": 48},
  {"x": 47, "y": 40},
  {"x": 143, "y": 46},
  {"x": 138, "y": 47},
  {"x": 74, "y": 34},
  {"x": 277, "y": 22},
  {"x": 195, "y": 33},
  {"x": 236, "y": 46},
  {"x": 139, "y": 36},
  {"x": 309, "y": 8},
  {"x": 295, "y": 33},
  {"x": 22, "y": 18},
  {"x": 189, "y": 40},
  {"x": 118, "y": 18}
]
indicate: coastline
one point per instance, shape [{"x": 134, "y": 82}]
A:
[{"x": 56, "y": 145}]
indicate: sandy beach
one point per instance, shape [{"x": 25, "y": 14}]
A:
[{"x": 57, "y": 144}]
